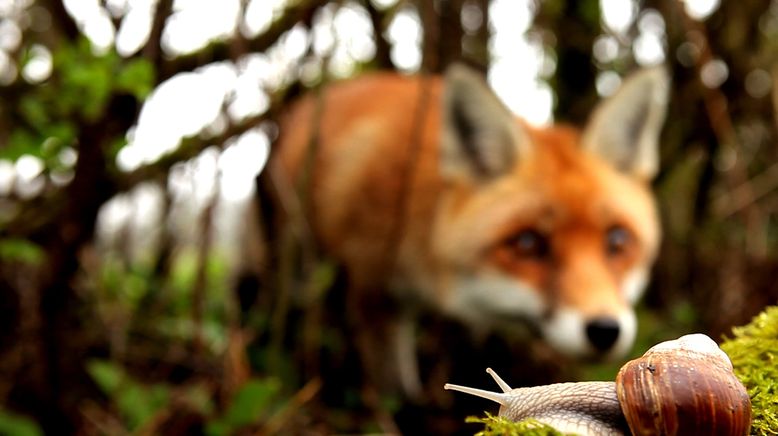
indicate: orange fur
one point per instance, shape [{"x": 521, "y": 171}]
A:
[{"x": 382, "y": 206}]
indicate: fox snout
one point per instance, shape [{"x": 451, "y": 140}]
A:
[
  {"x": 600, "y": 325},
  {"x": 602, "y": 332},
  {"x": 601, "y": 336}
]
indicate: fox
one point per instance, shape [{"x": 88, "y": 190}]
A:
[{"x": 433, "y": 196}]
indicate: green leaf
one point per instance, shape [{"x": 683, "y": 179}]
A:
[
  {"x": 136, "y": 402},
  {"x": 183, "y": 273},
  {"x": 139, "y": 403},
  {"x": 94, "y": 84},
  {"x": 17, "y": 425},
  {"x": 108, "y": 376},
  {"x": 217, "y": 428},
  {"x": 134, "y": 287},
  {"x": 322, "y": 278},
  {"x": 21, "y": 142},
  {"x": 248, "y": 406},
  {"x": 86, "y": 80},
  {"x": 198, "y": 397},
  {"x": 251, "y": 400},
  {"x": 34, "y": 110},
  {"x": 137, "y": 78},
  {"x": 63, "y": 131},
  {"x": 21, "y": 250}
]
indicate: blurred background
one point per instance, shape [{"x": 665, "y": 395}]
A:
[{"x": 132, "y": 134}]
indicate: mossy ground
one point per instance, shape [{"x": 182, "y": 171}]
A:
[
  {"x": 753, "y": 349},
  {"x": 495, "y": 425}
]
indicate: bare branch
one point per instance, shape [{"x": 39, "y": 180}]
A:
[
  {"x": 301, "y": 12},
  {"x": 189, "y": 148},
  {"x": 153, "y": 49},
  {"x": 379, "y": 19}
]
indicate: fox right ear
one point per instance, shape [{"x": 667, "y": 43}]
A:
[
  {"x": 481, "y": 139},
  {"x": 625, "y": 128}
]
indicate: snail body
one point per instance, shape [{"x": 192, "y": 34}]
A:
[
  {"x": 590, "y": 408},
  {"x": 680, "y": 387}
]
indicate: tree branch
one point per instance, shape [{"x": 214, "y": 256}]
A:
[
  {"x": 382, "y": 46},
  {"x": 301, "y": 12},
  {"x": 189, "y": 148},
  {"x": 153, "y": 49}
]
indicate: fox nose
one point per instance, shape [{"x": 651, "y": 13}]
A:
[{"x": 602, "y": 332}]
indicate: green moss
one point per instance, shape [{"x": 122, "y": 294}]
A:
[
  {"x": 495, "y": 425},
  {"x": 754, "y": 353}
]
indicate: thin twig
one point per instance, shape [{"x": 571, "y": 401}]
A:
[
  {"x": 297, "y": 241},
  {"x": 201, "y": 274},
  {"x": 408, "y": 173},
  {"x": 295, "y": 13},
  {"x": 748, "y": 193},
  {"x": 153, "y": 49},
  {"x": 276, "y": 423}
]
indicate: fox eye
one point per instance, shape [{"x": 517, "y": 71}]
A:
[
  {"x": 616, "y": 240},
  {"x": 530, "y": 243}
]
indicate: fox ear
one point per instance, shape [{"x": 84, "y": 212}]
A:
[
  {"x": 481, "y": 139},
  {"x": 625, "y": 128}
]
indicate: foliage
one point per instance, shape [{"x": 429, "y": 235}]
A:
[
  {"x": 79, "y": 89},
  {"x": 136, "y": 402},
  {"x": 125, "y": 291},
  {"x": 21, "y": 250},
  {"x": 753, "y": 349},
  {"x": 141, "y": 404},
  {"x": 495, "y": 425},
  {"x": 16, "y": 425},
  {"x": 250, "y": 405}
]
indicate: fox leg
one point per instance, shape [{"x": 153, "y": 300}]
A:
[
  {"x": 385, "y": 340},
  {"x": 406, "y": 359}
]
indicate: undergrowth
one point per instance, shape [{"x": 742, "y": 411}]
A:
[
  {"x": 497, "y": 425},
  {"x": 753, "y": 349}
]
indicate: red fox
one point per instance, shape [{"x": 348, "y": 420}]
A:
[{"x": 432, "y": 195}]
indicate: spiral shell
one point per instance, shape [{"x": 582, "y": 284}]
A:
[{"x": 683, "y": 387}]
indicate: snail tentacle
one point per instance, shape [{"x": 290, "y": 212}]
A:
[
  {"x": 504, "y": 386},
  {"x": 498, "y": 397}
]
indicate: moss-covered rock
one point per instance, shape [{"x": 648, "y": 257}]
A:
[{"x": 753, "y": 349}]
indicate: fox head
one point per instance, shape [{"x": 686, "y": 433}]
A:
[{"x": 556, "y": 227}]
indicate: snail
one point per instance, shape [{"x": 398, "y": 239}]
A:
[{"x": 681, "y": 387}]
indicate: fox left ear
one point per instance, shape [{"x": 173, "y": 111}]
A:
[
  {"x": 481, "y": 139},
  {"x": 625, "y": 128}
]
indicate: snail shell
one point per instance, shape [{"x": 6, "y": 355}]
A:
[{"x": 683, "y": 387}]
